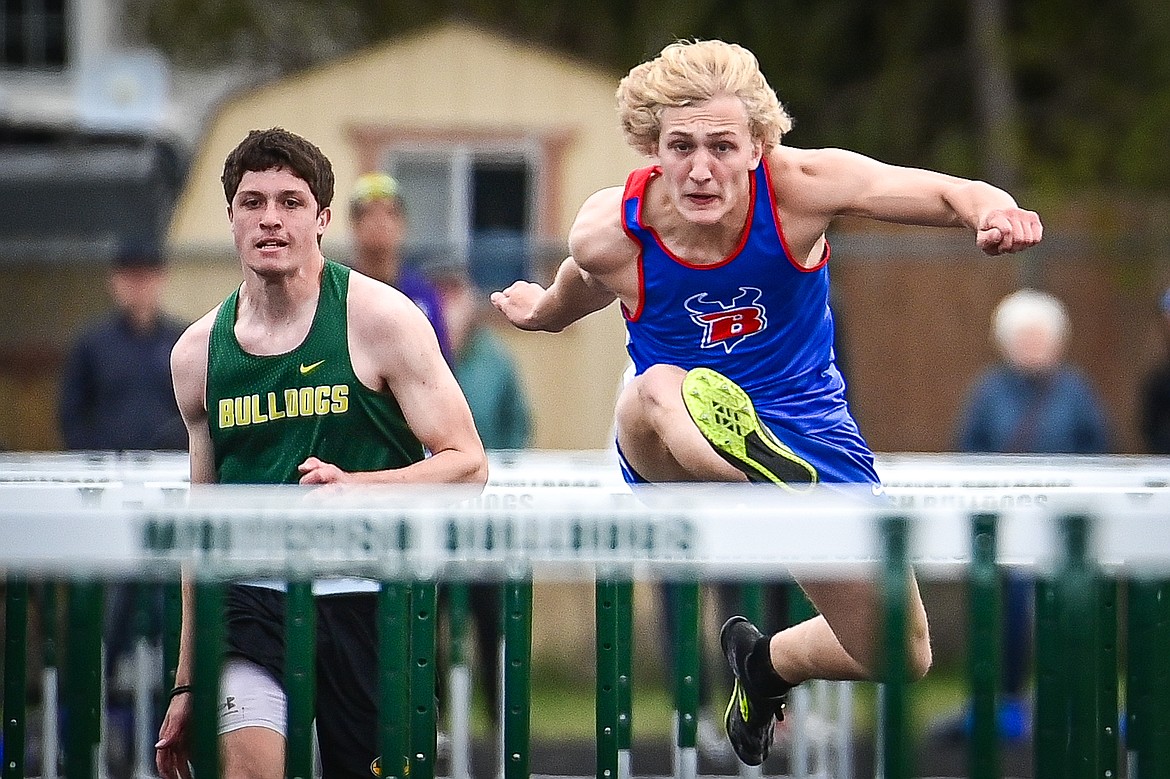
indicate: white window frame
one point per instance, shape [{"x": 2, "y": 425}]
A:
[{"x": 462, "y": 157}]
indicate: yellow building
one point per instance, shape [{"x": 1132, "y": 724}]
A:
[
  {"x": 450, "y": 111},
  {"x": 476, "y": 126}
]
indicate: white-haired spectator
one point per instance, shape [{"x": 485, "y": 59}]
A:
[
  {"x": 1031, "y": 402},
  {"x": 1031, "y": 330},
  {"x": 1034, "y": 401}
]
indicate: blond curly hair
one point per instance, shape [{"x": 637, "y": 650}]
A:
[{"x": 689, "y": 72}]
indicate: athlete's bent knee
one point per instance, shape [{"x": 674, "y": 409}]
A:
[
  {"x": 642, "y": 401},
  {"x": 659, "y": 387}
]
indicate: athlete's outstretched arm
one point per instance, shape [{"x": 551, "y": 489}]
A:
[
  {"x": 835, "y": 182},
  {"x": 572, "y": 296}
]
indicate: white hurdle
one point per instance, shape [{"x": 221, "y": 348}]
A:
[{"x": 568, "y": 516}]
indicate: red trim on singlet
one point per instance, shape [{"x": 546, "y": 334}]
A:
[
  {"x": 780, "y": 229},
  {"x": 656, "y": 170},
  {"x": 636, "y": 187}
]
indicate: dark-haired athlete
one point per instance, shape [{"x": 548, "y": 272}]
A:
[{"x": 308, "y": 373}]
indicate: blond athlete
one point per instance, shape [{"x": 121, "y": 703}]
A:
[{"x": 718, "y": 256}]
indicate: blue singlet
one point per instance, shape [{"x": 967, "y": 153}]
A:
[{"x": 756, "y": 317}]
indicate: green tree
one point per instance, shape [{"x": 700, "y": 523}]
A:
[{"x": 1054, "y": 94}]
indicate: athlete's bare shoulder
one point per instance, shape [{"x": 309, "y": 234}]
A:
[
  {"x": 793, "y": 169},
  {"x": 193, "y": 342},
  {"x": 189, "y": 364},
  {"x": 373, "y": 306},
  {"x": 389, "y": 336},
  {"x": 381, "y": 318},
  {"x": 789, "y": 161},
  {"x": 597, "y": 240},
  {"x": 819, "y": 183}
]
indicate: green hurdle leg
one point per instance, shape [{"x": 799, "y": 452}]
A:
[
  {"x": 206, "y": 667},
  {"x": 1068, "y": 636},
  {"x": 83, "y": 684},
  {"x": 1108, "y": 739},
  {"x": 800, "y": 699},
  {"x": 300, "y": 677},
  {"x": 517, "y": 677},
  {"x": 895, "y": 713},
  {"x": 1158, "y": 755},
  {"x": 50, "y": 744},
  {"x": 1137, "y": 632},
  {"x": 1137, "y": 686},
  {"x": 686, "y": 678},
  {"x": 1148, "y": 673},
  {"x": 1077, "y": 588},
  {"x": 983, "y": 648},
  {"x": 458, "y": 709},
  {"x": 394, "y": 708},
  {"x": 607, "y": 674},
  {"x": 171, "y": 627},
  {"x": 459, "y": 614},
  {"x": 422, "y": 684},
  {"x": 800, "y": 608},
  {"x": 15, "y": 675},
  {"x": 624, "y": 644},
  {"x": 49, "y": 622},
  {"x": 145, "y": 687},
  {"x": 751, "y": 603},
  {"x": 1049, "y": 736}
]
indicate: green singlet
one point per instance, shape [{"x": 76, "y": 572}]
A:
[{"x": 267, "y": 414}]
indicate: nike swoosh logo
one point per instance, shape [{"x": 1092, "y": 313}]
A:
[{"x": 307, "y": 369}]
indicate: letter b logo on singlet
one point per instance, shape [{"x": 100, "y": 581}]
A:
[{"x": 727, "y": 325}]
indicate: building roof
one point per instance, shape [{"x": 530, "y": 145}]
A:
[{"x": 440, "y": 85}]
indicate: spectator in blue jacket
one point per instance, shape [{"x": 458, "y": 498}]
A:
[
  {"x": 1031, "y": 402},
  {"x": 116, "y": 394},
  {"x": 116, "y": 389}
]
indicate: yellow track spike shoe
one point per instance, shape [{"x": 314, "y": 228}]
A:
[{"x": 727, "y": 419}]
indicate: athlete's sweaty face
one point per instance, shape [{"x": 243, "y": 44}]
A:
[
  {"x": 275, "y": 221},
  {"x": 706, "y": 152}
]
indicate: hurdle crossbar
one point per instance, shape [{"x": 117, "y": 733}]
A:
[{"x": 1080, "y": 540}]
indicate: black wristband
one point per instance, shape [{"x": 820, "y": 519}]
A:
[{"x": 179, "y": 689}]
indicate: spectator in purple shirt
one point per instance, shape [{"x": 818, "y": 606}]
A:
[
  {"x": 1155, "y": 394},
  {"x": 377, "y": 213}
]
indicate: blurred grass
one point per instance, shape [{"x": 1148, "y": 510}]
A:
[{"x": 564, "y": 711}]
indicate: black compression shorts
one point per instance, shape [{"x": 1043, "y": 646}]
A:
[{"x": 347, "y": 670}]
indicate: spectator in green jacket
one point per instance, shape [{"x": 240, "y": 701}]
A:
[{"x": 487, "y": 372}]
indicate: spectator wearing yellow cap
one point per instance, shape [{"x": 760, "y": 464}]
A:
[{"x": 377, "y": 212}]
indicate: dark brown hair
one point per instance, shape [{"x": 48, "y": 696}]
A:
[{"x": 278, "y": 148}]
